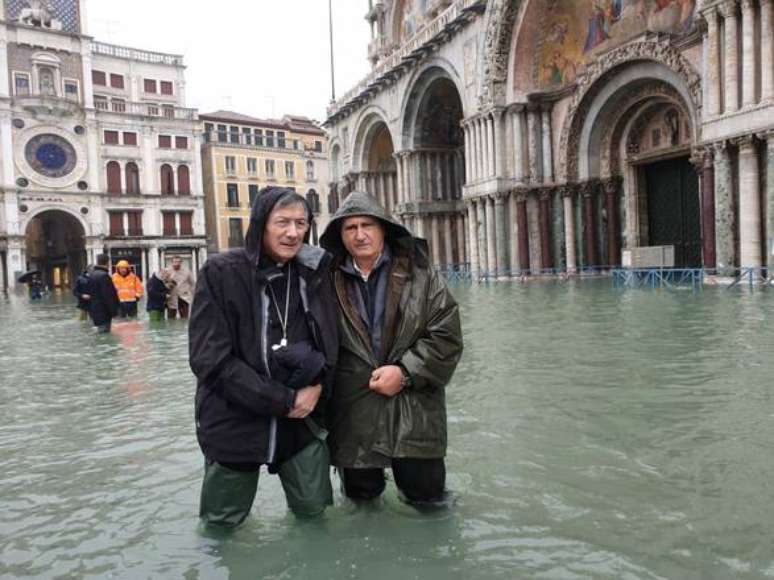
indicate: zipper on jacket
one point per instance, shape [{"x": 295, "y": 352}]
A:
[{"x": 265, "y": 352}]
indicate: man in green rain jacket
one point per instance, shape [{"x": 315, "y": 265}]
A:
[{"x": 400, "y": 343}]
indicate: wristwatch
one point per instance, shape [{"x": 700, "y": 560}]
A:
[{"x": 405, "y": 380}]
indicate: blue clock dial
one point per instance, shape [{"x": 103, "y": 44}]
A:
[{"x": 50, "y": 155}]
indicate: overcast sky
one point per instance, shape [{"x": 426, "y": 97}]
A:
[{"x": 259, "y": 57}]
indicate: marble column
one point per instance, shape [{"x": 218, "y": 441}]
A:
[
  {"x": 479, "y": 149},
  {"x": 475, "y": 269},
  {"x": 521, "y": 217},
  {"x": 569, "y": 229},
  {"x": 708, "y": 210},
  {"x": 491, "y": 236},
  {"x": 612, "y": 188},
  {"x": 435, "y": 232},
  {"x": 769, "y": 197},
  {"x": 489, "y": 149},
  {"x": 749, "y": 56},
  {"x": 514, "y": 233},
  {"x": 731, "y": 94},
  {"x": 548, "y": 154},
  {"x": 460, "y": 231},
  {"x": 518, "y": 145},
  {"x": 501, "y": 241},
  {"x": 589, "y": 225},
  {"x": 713, "y": 62},
  {"x": 499, "y": 142},
  {"x": 466, "y": 143},
  {"x": 533, "y": 145},
  {"x": 750, "y": 255},
  {"x": 448, "y": 241},
  {"x": 724, "y": 210},
  {"x": 483, "y": 257},
  {"x": 767, "y": 50},
  {"x": 544, "y": 220}
]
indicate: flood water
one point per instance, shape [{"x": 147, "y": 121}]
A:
[{"x": 594, "y": 433}]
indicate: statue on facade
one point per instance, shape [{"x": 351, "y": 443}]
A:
[{"x": 38, "y": 13}]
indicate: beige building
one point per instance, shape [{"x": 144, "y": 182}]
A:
[{"x": 242, "y": 154}]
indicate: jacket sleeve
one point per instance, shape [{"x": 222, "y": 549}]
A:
[
  {"x": 432, "y": 359},
  {"x": 109, "y": 295},
  {"x": 213, "y": 360},
  {"x": 138, "y": 289}
]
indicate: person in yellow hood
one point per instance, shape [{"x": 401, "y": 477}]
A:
[{"x": 129, "y": 288}]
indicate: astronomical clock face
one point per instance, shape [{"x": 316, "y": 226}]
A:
[{"x": 50, "y": 155}]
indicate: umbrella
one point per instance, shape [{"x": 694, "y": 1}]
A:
[{"x": 27, "y": 276}]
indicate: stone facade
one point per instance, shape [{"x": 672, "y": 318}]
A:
[
  {"x": 544, "y": 136},
  {"x": 98, "y": 152}
]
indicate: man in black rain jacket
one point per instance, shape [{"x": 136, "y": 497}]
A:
[
  {"x": 254, "y": 310},
  {"x": 103, "y": 298}
]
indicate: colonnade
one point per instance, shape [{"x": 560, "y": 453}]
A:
[
  {"x": 737, "y": 80},
  {"x": 430, "y": 174}
]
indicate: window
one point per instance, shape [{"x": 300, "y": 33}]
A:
[
  {"x": 269, "y": 165},
  {"x": 113, "y": 177},
  {"x": 234, "y": 135},
  {"x": 181, "y": 142},
  {"x": 71, "y": 90},
  {"x": 252, "y": 165},
  {"x": 135, "y": 223},
  {"x": 186, "y": 223},
  {"x": 167, "y": 180},
  {"x": 235, "y": 238},
  {"x": 310, "y": 170},
  {"x": 318, "y": 146},
  {"x": 149, "y": 85},
  {"x": 168, "y": 223},
  {"x": 247, "y": 136},
  {"x": 269, "y": 138},
  {"x": 165, "y": 142},
  {"x": 116, "y": 223},
  {"x": 183, "y": 180},
  {"x": 232, "y": 195},
  {"x": 118, "y": 105},
  {"x": 46, "y": 85},
  {"x": 22, "y": 84},
  {"x": 98, "y": 78},
  {"x": 130, "y": 138},
  {"x": 168, "y": 111},
  {"x": 253, "y": 188},
  {"x": 281, "y": 139},
  {"x": 290, "y": 169},
  {"x": 258, "y": 133},
  {"x": 111, "y": 137},
  {"x": 313, "y": 199},
  {"x": 116, "y": 81},
  {"x": 132, "y": 178},
  {"x": 100, "y": 103},
  {"x": 295, "y": 143},
  {"x": 230, "y": 164},
  {"x": 153, "y": 110},
  {"x": 166, "y": 87},
  {"x": 222, "y": 135},
  {"x": 208, "y": 129}
]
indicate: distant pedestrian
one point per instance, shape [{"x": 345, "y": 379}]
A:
[
  {"x": 129, "y": 288},
  {"x": 103, "y": 298},
  {"x": 81, "y": 292},
  {"x": 36, "y": 288},
  {"x": 181, "y": 295},
  {"x": 158, "y": 287}
]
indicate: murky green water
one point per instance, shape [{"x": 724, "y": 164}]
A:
[{"x": 593, "y": 434}]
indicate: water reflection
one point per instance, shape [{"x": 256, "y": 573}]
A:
[{"x": 594, "y": 434}]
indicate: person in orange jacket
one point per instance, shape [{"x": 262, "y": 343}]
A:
[{"x": 129, "y": 288}]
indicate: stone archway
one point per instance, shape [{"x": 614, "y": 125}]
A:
[
  {"x": 374, "y": 160},
  {"x": 55, "y": 242}
]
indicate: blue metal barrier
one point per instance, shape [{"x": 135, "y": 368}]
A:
[
  {"x": 753, "y": 277},
  {"x": 658, "y": 278}
]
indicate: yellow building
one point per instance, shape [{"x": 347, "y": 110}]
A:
[{"x": 243, "y": 154}]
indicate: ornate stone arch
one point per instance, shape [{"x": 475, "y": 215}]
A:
[
  {"x": 368, "y": 121},
  {"x": 595, "y": 77},
  {"x": 72, "y": 212},
  {"x": 500, "y": 19}
]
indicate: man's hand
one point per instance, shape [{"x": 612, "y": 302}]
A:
[
  {"x": 85, "y": 296},
  {"x": 387, "y": 380},
  {"x": 306, "y": 401}
]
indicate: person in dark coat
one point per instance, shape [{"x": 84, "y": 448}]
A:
[
  {"x": 401, "y": 341},
  {"x": 103, "y": 302},
  {"x": 81, "y": 293},
  {"x": 259, "y": 315},
  {"x": 158, "y": 287}
]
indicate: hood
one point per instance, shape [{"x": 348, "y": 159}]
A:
[
  {"x": 361, "y": 203},
  {"x": 262, "y": 207},
  {"x": 123, "y": 264}
]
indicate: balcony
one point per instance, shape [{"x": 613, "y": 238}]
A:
[
  {"x": 125, "y": 52},
  {"x": 145, "y": 110}
]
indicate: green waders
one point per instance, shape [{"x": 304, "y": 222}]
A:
[
  {"x": 227, "y": 495},
  {"x": 156, "y": 315}
]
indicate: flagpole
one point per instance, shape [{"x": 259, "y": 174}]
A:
[{"x": 330, "y": 29}]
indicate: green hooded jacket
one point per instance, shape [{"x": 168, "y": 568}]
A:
[{"x": 421, "y": 332}]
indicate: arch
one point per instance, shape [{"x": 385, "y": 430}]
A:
[
  {"x": 605, "y": 80},
  {"x": 368, "y": 121},
  {"x": 335, "y": 162},
  {"x": 132, "y": 178},
  {"x": 183, "y": 180},
  {"x": 167, "y": 180},
  {"x": 313, "y": 199},
  {"x": 113, "y": 171},
  {"x": 310, "y": 170},
  {"x": 501, "y": 17},
  {"x": 55, "y": 240}
]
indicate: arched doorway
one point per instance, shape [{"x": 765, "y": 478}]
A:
[
  {"x": 56, "y": 247},
  {"x": 434, "y": 113},
  {"x": 379, "y": 169}
]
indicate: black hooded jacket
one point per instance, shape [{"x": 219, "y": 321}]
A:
[{"x": 237, "y": 401}]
